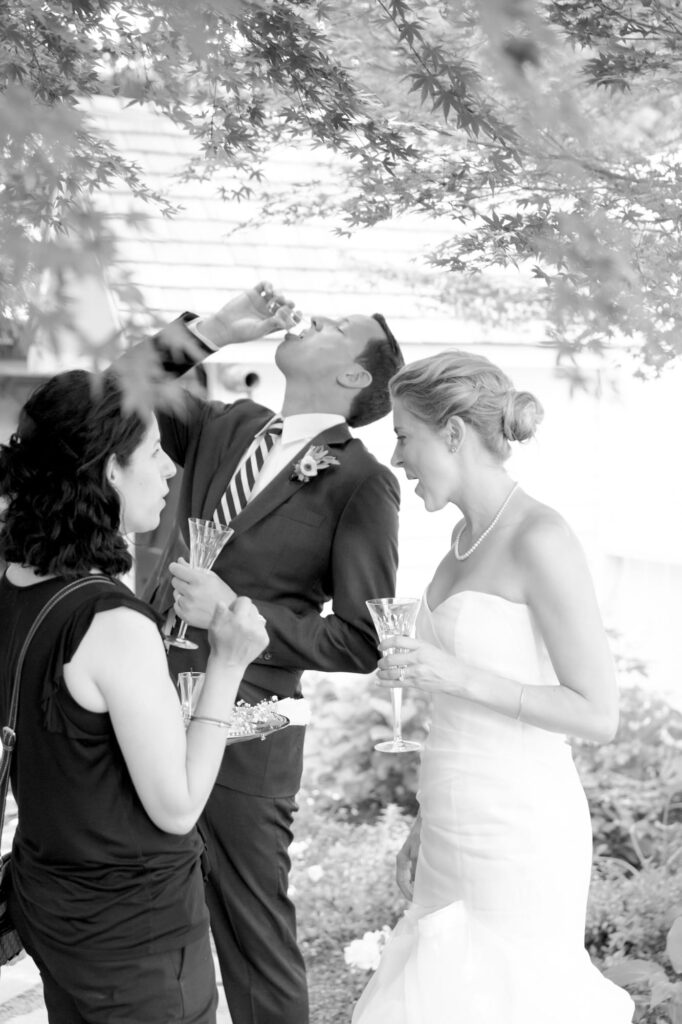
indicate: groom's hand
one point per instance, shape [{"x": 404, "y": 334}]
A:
[
  {"x": 250, "y": 315},
  {"x": 197, "y": 593}
]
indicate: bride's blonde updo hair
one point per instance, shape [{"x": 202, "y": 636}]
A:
[{"x": 462, "y": 384}]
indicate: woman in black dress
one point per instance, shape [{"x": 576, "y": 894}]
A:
[{"x": 107, "y": 887}]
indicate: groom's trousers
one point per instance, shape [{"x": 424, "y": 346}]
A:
[{"x": 253, "y": 921}]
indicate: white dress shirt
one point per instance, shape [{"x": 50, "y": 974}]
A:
[{"x": 297, "y": 431}]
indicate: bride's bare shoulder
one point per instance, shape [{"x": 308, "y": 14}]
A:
[{"x": 541, "y": 530}]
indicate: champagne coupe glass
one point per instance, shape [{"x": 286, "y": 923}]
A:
[
  {"x": 393, "y": 617},
  {"x": 189, "y": 687},
  {"x": 206, "y": 541}
]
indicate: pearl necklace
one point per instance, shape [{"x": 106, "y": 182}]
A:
[{"x": 465, "y": 554}]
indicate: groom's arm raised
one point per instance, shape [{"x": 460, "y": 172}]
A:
[
  {"x": 150, "y": 369},
  {"x": 248, "y": 316}
]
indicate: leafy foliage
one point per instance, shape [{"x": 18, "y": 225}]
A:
[
  {"x": 237, "y": 77},
  {"x": 343, "y": 771},
  {"x": 547, "y": 135},
  {"x": 339, "y": 894},
  {"x": 343, "y": 885},
  {"x": 630, "y": 917},
  {"x": 634, "y": 785}
]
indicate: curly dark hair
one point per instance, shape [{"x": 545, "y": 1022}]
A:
[
  {"x": 382, "y": 357},
  {"x": 59, "y": 513}
]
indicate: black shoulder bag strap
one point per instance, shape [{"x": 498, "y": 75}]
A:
[{"x": 9, "y": 735}]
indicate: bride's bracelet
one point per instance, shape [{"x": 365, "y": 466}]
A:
[{"x": 212, "y": 721}]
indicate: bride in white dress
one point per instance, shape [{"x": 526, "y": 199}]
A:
[{"x": 511, "y": 644}]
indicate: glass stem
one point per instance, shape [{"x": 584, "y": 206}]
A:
[
  {"x": 397, "y": 705},
  {"x": 182, "y": 630}
]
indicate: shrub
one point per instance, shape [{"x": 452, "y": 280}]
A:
[
  {"x": 630, "y": 912},
  {"x": 633, "y": 930},
  {"x": 633, "y": 783},
  {"x": 343, "y": 875},
  {"x": 343, "y": 770},
  {"x": 342, "y": 881}
]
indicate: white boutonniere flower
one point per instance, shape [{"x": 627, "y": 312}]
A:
[{"x": 313, "y": 462}]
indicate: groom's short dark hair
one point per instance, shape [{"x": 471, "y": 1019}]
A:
[{"x": 382, "y": 358}]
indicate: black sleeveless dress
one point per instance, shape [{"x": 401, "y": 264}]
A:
[{"x": 90, "y": 870}]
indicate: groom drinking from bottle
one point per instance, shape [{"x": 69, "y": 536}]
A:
[{"x": 315, "y": 520}]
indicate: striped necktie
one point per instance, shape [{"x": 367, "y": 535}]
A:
[{"x": 242, "y": 483}]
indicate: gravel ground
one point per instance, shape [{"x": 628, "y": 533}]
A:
[{"x": 333, "y": 989}]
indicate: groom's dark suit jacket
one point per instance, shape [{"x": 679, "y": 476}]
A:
[{"x": 296, "y": 547}]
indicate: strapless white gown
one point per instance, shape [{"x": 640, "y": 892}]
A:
[{"x": 495, "y": 933}]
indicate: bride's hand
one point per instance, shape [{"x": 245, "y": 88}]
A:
[
  {"x": 414, "y": 663},
  {"x": 406, "y": 861}
]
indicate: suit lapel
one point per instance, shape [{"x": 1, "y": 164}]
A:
[{"x": 283, "y": 487}]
